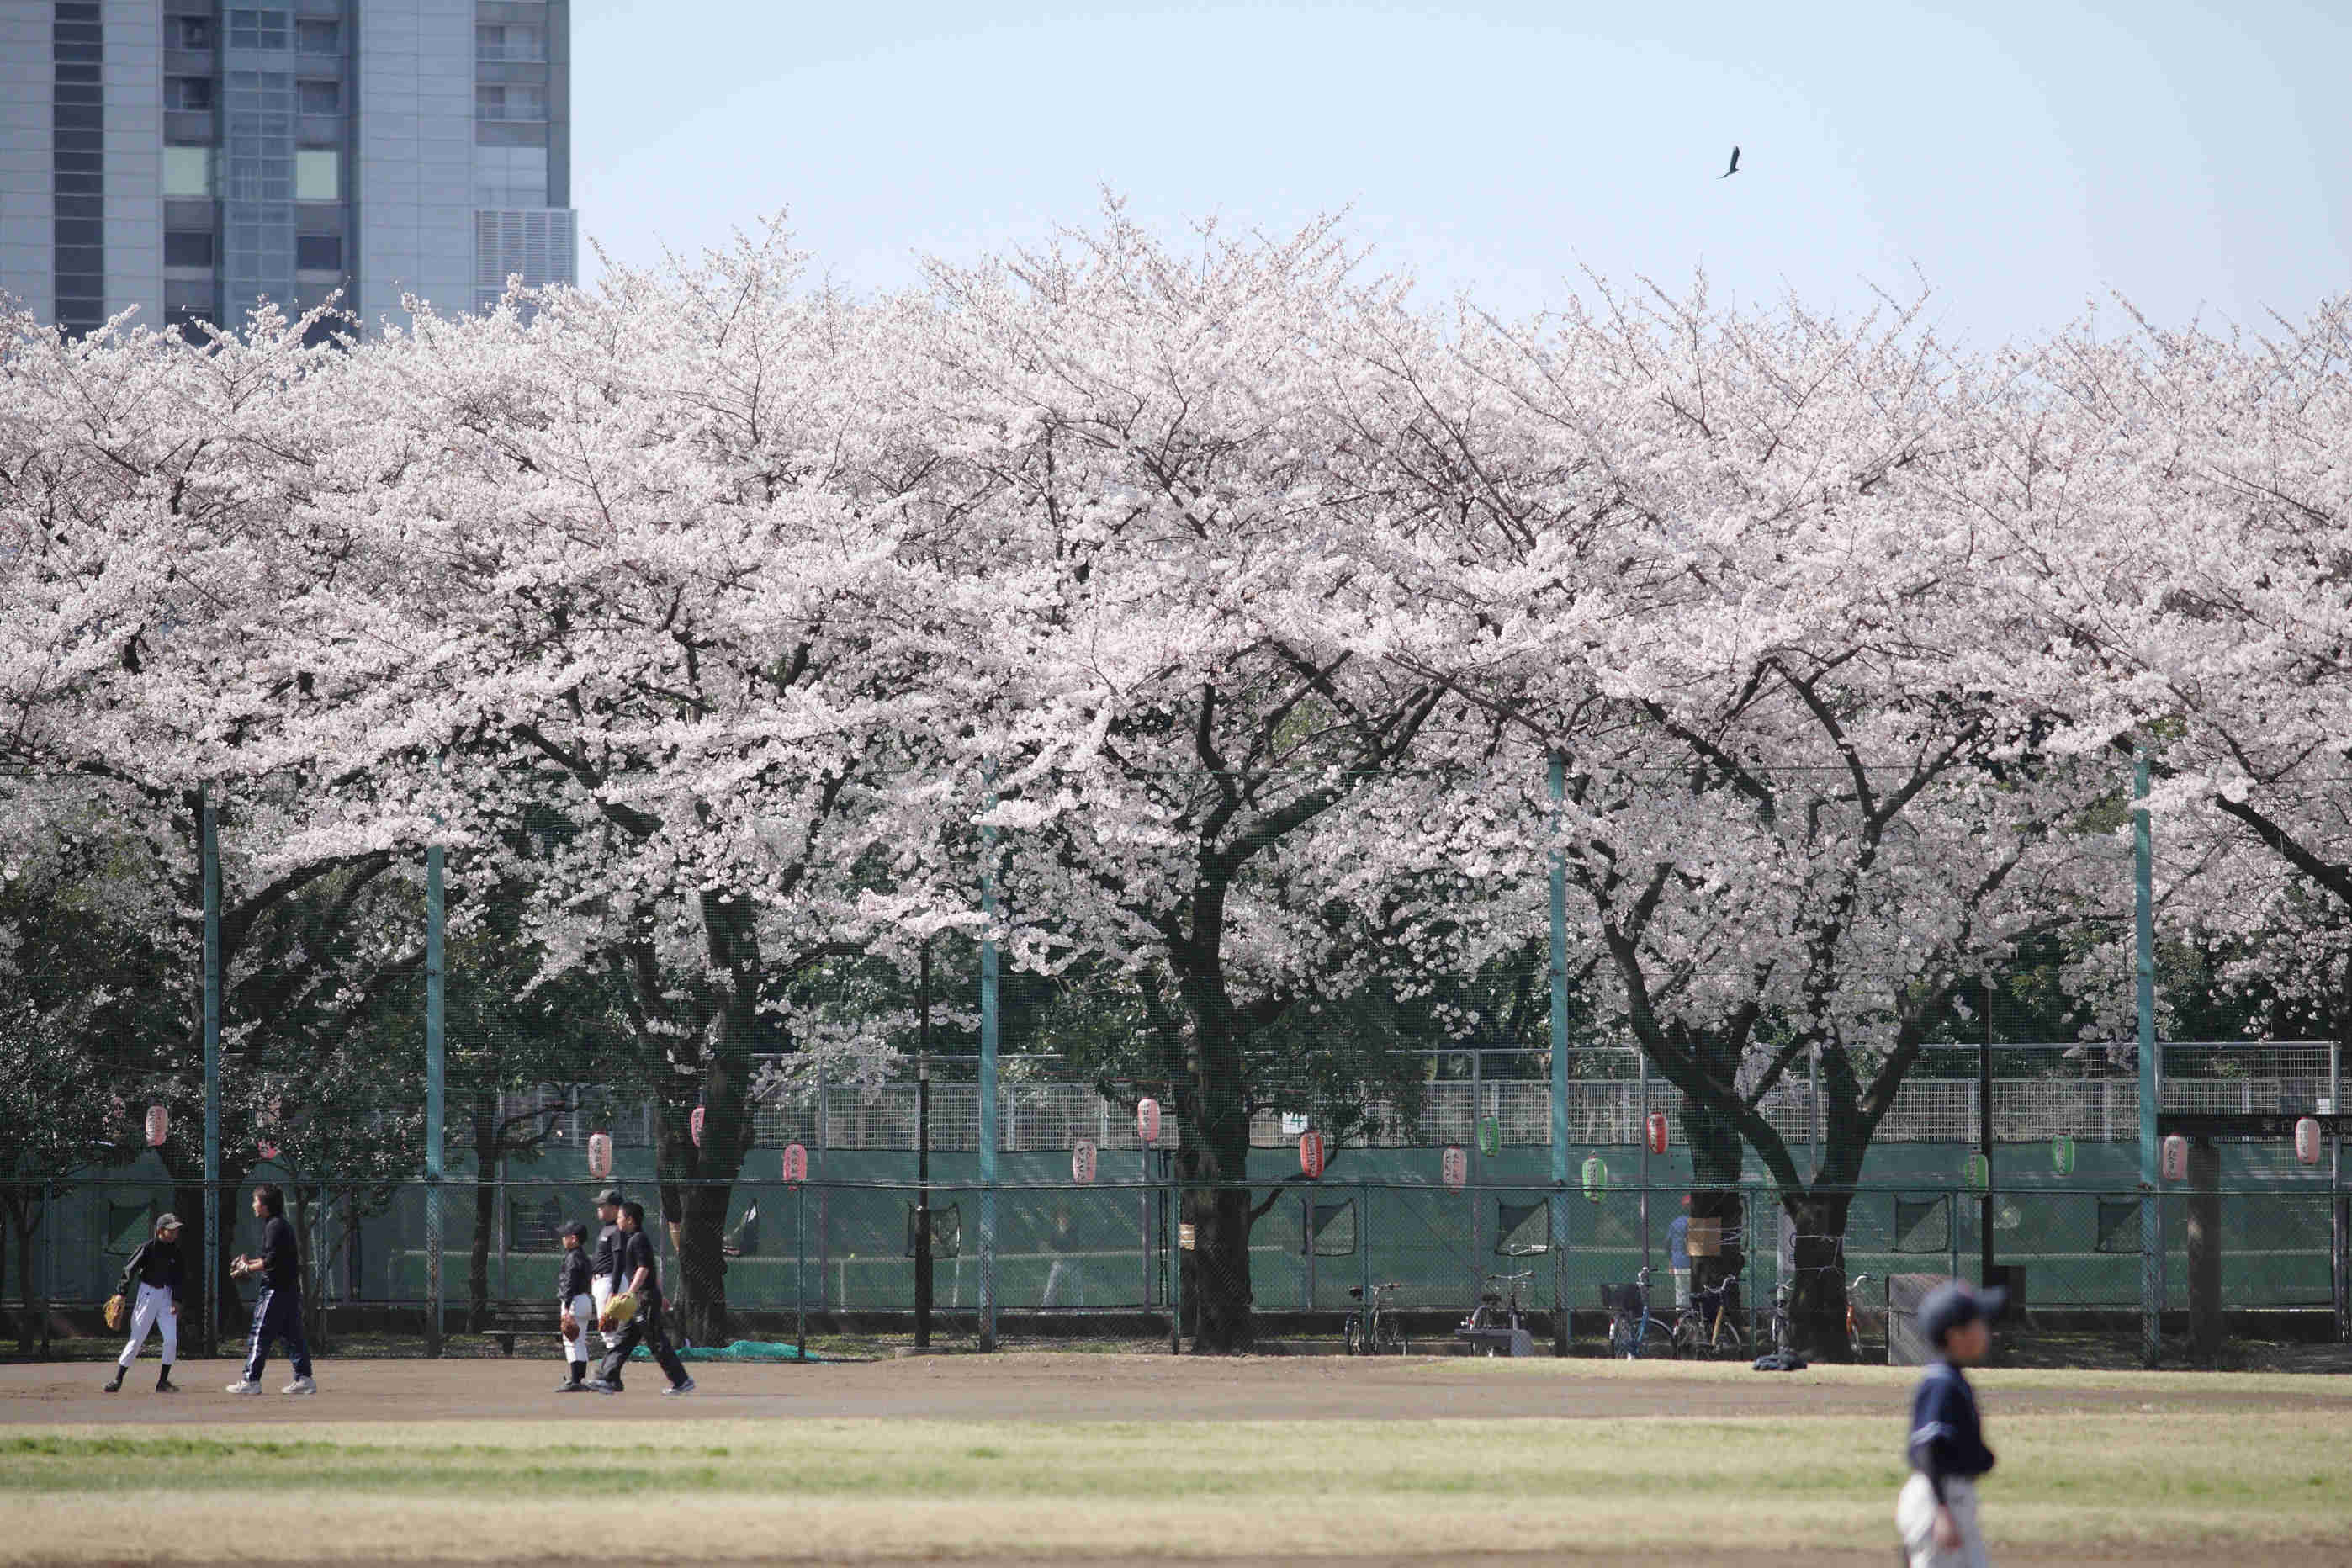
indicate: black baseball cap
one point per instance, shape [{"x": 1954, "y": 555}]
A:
[
  {"x": 575, "y": 1229},
  {"x": 610, "y": 1196},
  {"x": 1955, "y": 1304}
]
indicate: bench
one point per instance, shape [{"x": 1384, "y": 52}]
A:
[{"x": 506, "y": 1327}]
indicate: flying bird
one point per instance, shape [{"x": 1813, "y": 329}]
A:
[{"x": 1735, "y": 166}]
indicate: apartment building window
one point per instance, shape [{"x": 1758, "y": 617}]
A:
[
  {"x": 256, "y": 29},
  {"x": 188, "y": 171},
  {"x": 509, "y": 43},
  {"x": 318, "y": 252},
  {"x": 318, "y": 38},
  {"x": 321, "y": 97},
  {"x": 317, "y": 174},
  {"x": 187, "y": 249},
  {"x": 187, "y": 92},
  {"x": 510, "y": 103},
  {"x": 187, "y": 32}
]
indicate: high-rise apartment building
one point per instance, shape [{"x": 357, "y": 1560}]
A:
[{"x": 194, "y": 159}]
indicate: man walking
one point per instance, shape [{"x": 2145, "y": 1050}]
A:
[
  {"x": 640, "y": 1279},
  {"x": 278, "y": 1311}
]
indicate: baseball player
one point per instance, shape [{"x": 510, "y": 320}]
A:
[
  {"x": 155, "y": 1269},
  {"x": 641, "y": 1277},
  {"x": 575, "y": 1305},
  {"x": 278, "y": 1311},
  {"x": 604, "y": 1268},
  {"x": 1936, "y": 1510}
]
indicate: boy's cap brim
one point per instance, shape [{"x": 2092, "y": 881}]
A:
[
  {"x": 167, "y": 1222},
  {"x": 610, "y": 1196}
]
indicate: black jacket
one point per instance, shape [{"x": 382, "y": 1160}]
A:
[{"x": 157, "y": 1263}]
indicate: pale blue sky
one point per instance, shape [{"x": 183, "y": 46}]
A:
[{"x": 2026, "y": 157}]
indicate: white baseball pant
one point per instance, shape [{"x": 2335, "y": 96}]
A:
[
  {"x": 153, "y": 1310},
  {"x": 586, "y": 1311},
  {"x": 1915, "y": 1516},
  {"x": 601, "y": 1289}
]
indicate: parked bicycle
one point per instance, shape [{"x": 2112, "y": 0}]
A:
[
  {"x": 1632, "y": 1323},
  {"x": 1373, "y": 1330},
  {"x": 1855, "y": 1319},
  {"x": 1494, "y": 1325},
  {"x": 1709, "y": 1326}
]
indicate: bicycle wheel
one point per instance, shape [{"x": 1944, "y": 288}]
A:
[
  {"x": 1354, "y": 1336},
  {"x": 1386, "y": 1341},
  {"x": 1620, "y": 1339}
]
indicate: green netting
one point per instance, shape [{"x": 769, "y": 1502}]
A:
[{"x": 741, "y": 1350}]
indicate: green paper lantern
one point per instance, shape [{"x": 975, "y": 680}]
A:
[
  {"x": 1979, "y": 1173},
  {"x": 1490, "y": 1134},
  {"x": 1596, "y": 1177},
  {"x": 2062, "y": 1154}
]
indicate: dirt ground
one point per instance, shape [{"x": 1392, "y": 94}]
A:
[
  {"x": 1066, "y": 1388},
  {"x": 1063, "y": 1387}
]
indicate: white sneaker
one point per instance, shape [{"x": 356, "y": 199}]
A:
[
  {"x": 301, "y": 1386},
  {"x": 250, "y": 1386},
  {"x": 677, "y": 1389}
]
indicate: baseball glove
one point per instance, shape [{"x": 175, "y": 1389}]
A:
[
  {"x": 571, "y": 1326},
  {"x": 617, "y": 1310},
  {"x": 114, "y": 1311},
  {"x": 237, "y": 1269}
]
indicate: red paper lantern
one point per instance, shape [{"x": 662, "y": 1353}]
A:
[
  {"x": 158, "y": 1126},
  {"x": 1310, "y": 1153},
  {"x": 1146, "y": 1121},
  {"x": 269, "y": 1150},
  {"x": 1656, "y": 1129},
  {"x": 600, "y": 1154},
  {"x": 1454, "y": 1165},
  {"x": 2307, "y": 1141},
  {"x": 1082, "y": 1164},
  {"x": 693, "y": 1127},
  {"x": 796, "y": 1163},
  {"x": 2176, "y": 1159}
]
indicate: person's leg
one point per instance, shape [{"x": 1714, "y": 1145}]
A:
[
  {"x": 142, "y": 1317},
  {"x": 298, "y": 1347},
  {"x": 618, "y": 1344},
  {"x": 664, "y": 1356},
  {"x": 1962, "y": 1497},
  {"x": 1915, "y": 1516},
  {"x": 575, "y": 1349},
  {"x": 257, "y": 1346},
  {"x": 169, "y": 1321}
]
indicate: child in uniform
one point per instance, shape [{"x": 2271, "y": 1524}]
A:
[
  {"x": 573, "y": 1299},
  {"x": 154, "y": 1272},
  {"x": 641, "y": 1277},
  {"x": 1936, "y": 1510}
]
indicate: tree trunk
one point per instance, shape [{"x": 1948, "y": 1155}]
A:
[
  {"x": 486, "y": 1209},
  {"x": 1717, "y": 1156},
  {"x": 1817, "y": 1307},
  {"x": 22, "y": 1226},
  {"x": 1218, "y": 1296}
]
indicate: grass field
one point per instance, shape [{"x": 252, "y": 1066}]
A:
[{"x": 1080, "y": 1458}]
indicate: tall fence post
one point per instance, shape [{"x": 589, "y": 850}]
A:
[
  {"x": 1558, "y": 1063},
  {"x": 433, "y": 1001},
  {"x": 2339, "y": 1211},
  {"x": 208, "y": 851},
  {"x": 988, "y": 1107},
  {"x": 2152, "y": 1084}
]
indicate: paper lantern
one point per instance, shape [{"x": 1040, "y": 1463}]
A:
[
  {"x": 1082, "y": 1164},
  {"x": 796, "y": 1163},
  {"x": 693, "y": 1127},
  {"x": 1656, "y": 1128},
  {"x": 2307, "y": 1141},
  {"x": 2062, "y": 1154},
  {"x": 600, "y": 1154},
  {"x": 1454, "y": 1165},
  {"x": 1146, "y": 1121},
  {"x": 1310, "y": 1154},
  {"x": 2176, "y": 1159},
  {"x": 268, "y": 1151},
  {"x": 1490, "y": 1135},
  {"x": 158, "y": 1126},
  {"x": 1978, "y": 1173},
  {"x": 1596, "y": 1177}
]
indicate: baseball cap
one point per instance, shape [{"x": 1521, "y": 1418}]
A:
[
  {"x": 167, "y": 1222},
  {"x": 1955, "y": 1303},
  {"x": 611, "y": 1195},
  {"x": 574, "y": 1230}
]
